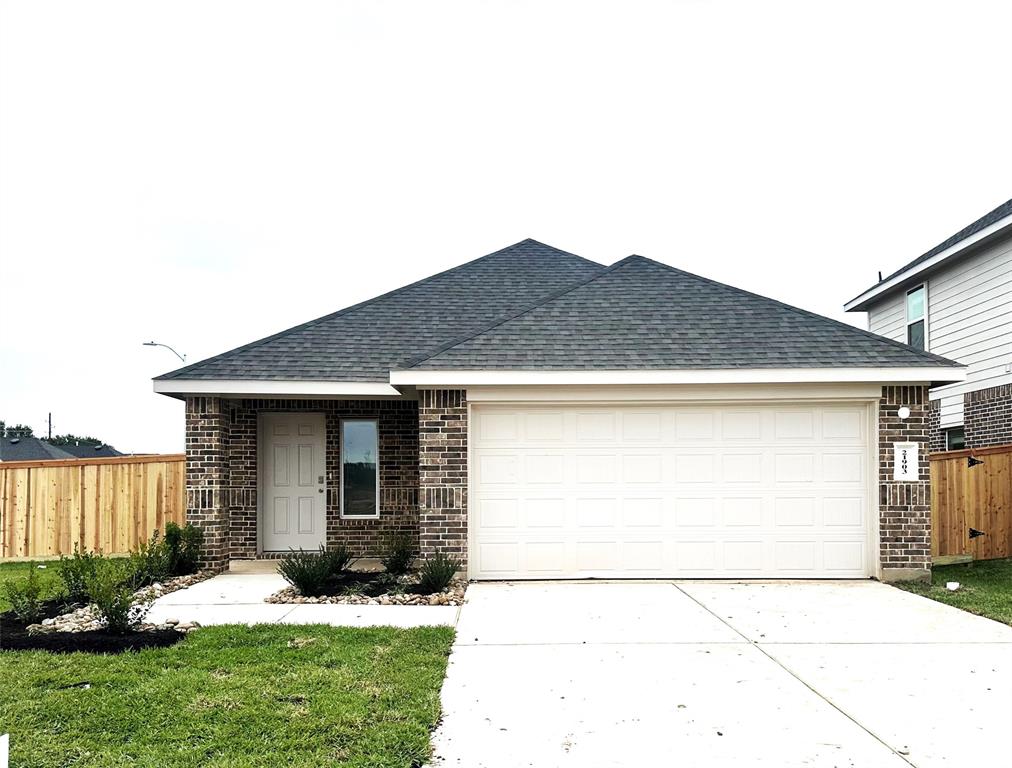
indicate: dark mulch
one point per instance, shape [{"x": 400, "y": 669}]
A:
[
  {"x": 366, "y": 583},
  {"x": 14, "y": 636}
]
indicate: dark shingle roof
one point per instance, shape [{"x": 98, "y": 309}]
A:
[
  {"x": 363, "y": 342},
  {"x": 643, "y": 314},
  {"x": 29, "y": 449},
  {"x": 983, "y": 222},
  {"x": 83, "y": 451}
]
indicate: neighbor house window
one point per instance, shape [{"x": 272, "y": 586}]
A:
[
  {"x": 359, "y": 468},
  {"x": 955, "y": 439},
  {"x": 917, "y": 319}
]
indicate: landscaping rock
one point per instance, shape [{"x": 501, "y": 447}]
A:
[
  {"x": 86, "y": 620},
  {"x": 453, "y": 595}
]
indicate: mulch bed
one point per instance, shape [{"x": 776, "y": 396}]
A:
[
  {"x": 14, "y": 636},
  {"x": 372, "y": 588}
]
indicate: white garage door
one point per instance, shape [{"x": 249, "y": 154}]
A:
[{"x": 670, "y": 491}]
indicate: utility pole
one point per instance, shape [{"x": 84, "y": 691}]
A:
[{"x": 50, "y": 425}]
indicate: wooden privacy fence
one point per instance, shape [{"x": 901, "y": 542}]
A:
[
  {"x": 109, "y": 505},
  {"x": 977, "y": 497}
]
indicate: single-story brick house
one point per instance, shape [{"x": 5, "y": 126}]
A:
[{"x": 542, "y": 416}]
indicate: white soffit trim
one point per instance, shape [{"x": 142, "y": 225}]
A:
[
  {"x": 856, "y": 304},
  {"x": 424, "y": 378},
  {"x": 264, "y": 387}
]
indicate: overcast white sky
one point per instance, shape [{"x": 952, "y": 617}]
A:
[{"x": 207, "y": 173}]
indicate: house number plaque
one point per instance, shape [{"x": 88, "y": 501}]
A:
[{"x": 906, "y": 465}]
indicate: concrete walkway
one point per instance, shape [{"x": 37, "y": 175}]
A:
[
  {"x": 722, "y": 674},
  {"x": 238, "y": 598}
]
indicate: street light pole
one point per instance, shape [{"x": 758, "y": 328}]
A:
[{"x": 157, "y": 344}]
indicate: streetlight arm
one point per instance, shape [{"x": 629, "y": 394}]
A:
[{"x": 158, "y": 344}]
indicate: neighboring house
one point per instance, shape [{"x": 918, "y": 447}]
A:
[
  {"x": 539, "y": 415},
  {"x": 30, "y": 449},
  {"x": 956, "y": 301},
  {"x": 88, "y": 451}
]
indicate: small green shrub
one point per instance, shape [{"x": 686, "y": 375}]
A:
[
  {"x": 308, "y": 572},
  {"x": 436, "y": 573},
  {"x": 338, "y": 559},
  {"x": 112, "y": 593},
  {"x": 184, "y": 548},
  {"x": 149, "y": 563},
  {"x": 398, "y": 553},
  {"x": 25, "y": 596},
  {"x": 75, "y": 571}
]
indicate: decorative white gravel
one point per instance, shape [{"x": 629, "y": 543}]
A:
[
  {"x": 86, "y": 619},
  {"x": 452, "y": 595}
]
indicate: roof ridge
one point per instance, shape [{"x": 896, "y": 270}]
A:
[
  {"x": 360, "y": 305},
  {"x": 414, "y": 361},
  {"x": 799, "y": 310},
  {"x": 557, "y": 250},
  {"x": 989, "y": 218}
]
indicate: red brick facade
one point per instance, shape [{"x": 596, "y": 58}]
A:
[
  {"x": 987, "y": 416},
  {"x": 904, "y": 507},
  {"x": 207, "y": 476},
  {"x": 442, "y": 457},
  {"x": 935, "y": 434},
  {"x": 222, "y": 454},
  {"x": 424, "y": 474}
]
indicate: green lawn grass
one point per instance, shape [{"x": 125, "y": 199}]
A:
[
  {"x": 232, "y": 696},
  {"x": 51, "y": 584},
  {"x": 985, "y": 587}
]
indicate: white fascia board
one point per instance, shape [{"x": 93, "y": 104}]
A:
[
  {"x": 257, "y": 388},
  {"x": 857, "y": 304},
  {"x": 431, "y": 378}
]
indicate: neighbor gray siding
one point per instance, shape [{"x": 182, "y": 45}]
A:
[{"x": 969, "y": 320}]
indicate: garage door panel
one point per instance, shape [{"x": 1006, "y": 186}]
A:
[
  {"x": 641, "y": 426},
  {"x": 744, "y": 426},
  {"x": 844, "y": 426},
  {"x": 596, "y": 468},
  {"x": 596, "y": 426},
  {"x": 794, "y": 425},
  {"x": 840, "y": 511},
  {"x": 543, "y": 426},
  {"x": 677, "y": 491},
  {"x": 596, "y": 513},
  {"x": 545, "y": 512}
]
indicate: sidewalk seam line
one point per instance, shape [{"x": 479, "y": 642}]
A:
[{"x": 791, "y": 672}]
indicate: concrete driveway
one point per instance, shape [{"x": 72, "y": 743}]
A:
[{"x": 723, "y": 674}]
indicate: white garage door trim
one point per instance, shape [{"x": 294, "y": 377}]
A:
[{"x": 694, "y": 542}]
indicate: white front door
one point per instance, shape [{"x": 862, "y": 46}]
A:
[
  {"x": 665, "y": 490},
  {"x": 293, "y": 491}
]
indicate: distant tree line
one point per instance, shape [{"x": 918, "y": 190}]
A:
[{"x": 23, "y": 430}]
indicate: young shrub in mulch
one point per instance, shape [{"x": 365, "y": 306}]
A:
[
  {"x": 398, "y": 553},
  {"x": 112, "y": 595},
  {"x": 25, "y": 596},
  {"x": 75, "y": 572},
  {"x": 436, "y": 573},
  {"x": 308, "y": 572},
  {"x": 338, "y": 559},
  {"x": 184, "y": 545},
  {"x": 148, "y": 564}
]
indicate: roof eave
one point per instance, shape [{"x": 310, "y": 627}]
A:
[
  {"x": 181, "y": 388},
  {"x": 933, "y": 375},
  {"x": 862, "y": 302}
]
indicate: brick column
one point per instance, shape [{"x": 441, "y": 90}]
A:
[
  {"x": 442, "y": 465},
  {"x": 207, "y": 476},
  {"x": 904, "y": 507},
  {"x": 935, "y": 436}
]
